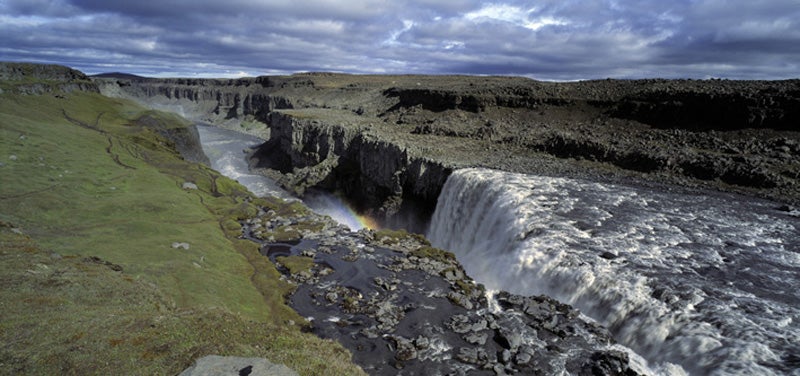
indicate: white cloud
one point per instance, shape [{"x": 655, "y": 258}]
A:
[
  {"x": 513, "y": 15},
  {"x": 395, "y": 35}
]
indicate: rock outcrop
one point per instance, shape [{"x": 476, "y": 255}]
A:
[
  {"x": 231, "y": 103},
  {"x": 345, "y": 155},
  {"x": 37, "y": 79}
]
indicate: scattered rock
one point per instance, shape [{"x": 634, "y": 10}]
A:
[
  {"x": 99, "y": 261},
  {"x": 608, "y": 255},
  {"x": 215, "y": 365},
  {"x": 406, "y": 349},
  {"x": 180, "y": 245},
  {"x": 472, "y": 355},
  {"x": 404, "y": 305}
]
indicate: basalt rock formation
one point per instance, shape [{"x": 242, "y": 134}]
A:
[
  {"x": 386, "y": 140},
  {"x": 36, "y": 79}
]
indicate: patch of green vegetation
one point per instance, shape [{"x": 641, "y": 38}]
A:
[
  {"x": 434, "y": 254},
  {"x": 296, "y": 264},
  {"x": 79, "y": 316},
  {"x": 391, "y": 237},
  {"x": 290, "y": 233},
  {"x": 85, "y": 175},
  {"x": 470, "y": 288}
]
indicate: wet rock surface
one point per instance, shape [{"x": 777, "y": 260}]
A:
[{"x": 403, "y": 307}]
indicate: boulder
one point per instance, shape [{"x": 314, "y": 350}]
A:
[{"x": 215, "y": 365}]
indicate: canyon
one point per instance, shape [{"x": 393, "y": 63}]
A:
[
  {"x": 389, "y": 142},
  {"x": 596, "y": 193}
]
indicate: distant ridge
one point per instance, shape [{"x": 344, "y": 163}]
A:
[{"x": 119, "y": 75}]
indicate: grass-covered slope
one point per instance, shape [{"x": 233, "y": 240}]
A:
[{"x": 92, "y": 200}]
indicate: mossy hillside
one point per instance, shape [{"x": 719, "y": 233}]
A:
[
  {"x": 78, "y": 315},
  {"x": 87, "y": 175},
  {"x": 88, "y": 191}
]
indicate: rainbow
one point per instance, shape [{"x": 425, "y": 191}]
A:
[{"x": 341, "y": 212}]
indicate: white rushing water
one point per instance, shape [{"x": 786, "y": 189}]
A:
[
  {"x": 706, "y": 282},
  {"x": 226, "y": 150}
]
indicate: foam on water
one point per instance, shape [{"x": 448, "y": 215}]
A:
[{"x": 704, "y": 281}]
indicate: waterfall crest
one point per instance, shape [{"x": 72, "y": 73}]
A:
[{"x": 661, "y": 270}]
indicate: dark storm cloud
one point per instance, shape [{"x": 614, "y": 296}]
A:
[{"x": 545, "y": 39}]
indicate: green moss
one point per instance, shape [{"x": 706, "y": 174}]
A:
[
  {"x": 282, "y": 208},
  {"x": 231, "y": 227},
  {"x": 466, "y": 287},
  {"x": 390, "y": 237},
  {"x": 351, "y": 303},
  {"x": 296, "y": 264},
  {"x": 434, "y": 254}
]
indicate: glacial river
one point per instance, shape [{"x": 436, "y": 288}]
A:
[{"x": 695, "y": 283}]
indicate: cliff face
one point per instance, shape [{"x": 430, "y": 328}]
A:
[
  {"x": 727, "y": 105},
  {"x": 37, "y": 79},
  {"x": 386, "y": 139},
  {"x": 348, "y": 156},
  {"x": 237, "y": 104}
]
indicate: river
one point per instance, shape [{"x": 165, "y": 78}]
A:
[{"x": 698, "y": 283}]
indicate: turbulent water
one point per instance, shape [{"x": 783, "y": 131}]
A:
[
  {"x": 226, "y": 150},
  {"x": 706, "y": 282}
]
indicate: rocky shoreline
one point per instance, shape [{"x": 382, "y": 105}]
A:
[{"x": 403, "y": 307}]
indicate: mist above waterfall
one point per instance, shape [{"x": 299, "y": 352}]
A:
[{"x": 704, "y": 281}]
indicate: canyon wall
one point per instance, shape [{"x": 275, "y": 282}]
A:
[
  {"x": 383, "y": 140},
  {"x": 318, "y": 152}
]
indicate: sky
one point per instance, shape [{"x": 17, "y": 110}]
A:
[{"x": 558, "y": 40}]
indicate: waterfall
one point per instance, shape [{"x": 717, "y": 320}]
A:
[{"x": 678, "y": 278}]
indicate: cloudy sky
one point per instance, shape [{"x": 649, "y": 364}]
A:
[{"x": 544, "y": 39}]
